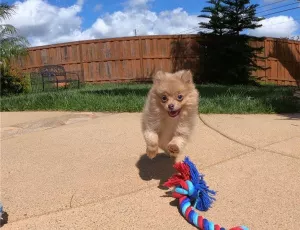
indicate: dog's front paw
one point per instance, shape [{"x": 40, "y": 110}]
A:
[
  {"x": 173, "y": 149},
  {"x": 152, "y": 151}
]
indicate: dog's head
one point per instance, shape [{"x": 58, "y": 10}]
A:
[{"x": 172, "y": 90}]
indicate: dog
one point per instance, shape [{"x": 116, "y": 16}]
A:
[{"x": 170, "y": 112}]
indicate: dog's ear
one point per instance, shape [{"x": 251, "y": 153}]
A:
[
  {"x": 158, "y": 77},
  {"x": 186, "y": 76}
]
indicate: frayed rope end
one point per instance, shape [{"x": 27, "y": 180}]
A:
[{"x": 203, "y": 197}]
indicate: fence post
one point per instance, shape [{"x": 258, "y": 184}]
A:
[
  {"x": 141, "y": 58},
  {"x": 81, "y": 61},
  {"x": 266, "y": 43}
]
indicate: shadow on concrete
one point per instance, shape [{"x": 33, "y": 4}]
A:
[
  {"x": 159, "y": 168},
  {"x": 289, "y": 116},
  {"x": 4, "y": 219}
]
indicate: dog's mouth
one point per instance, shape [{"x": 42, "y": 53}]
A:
[{"x": 174, "y": 113}]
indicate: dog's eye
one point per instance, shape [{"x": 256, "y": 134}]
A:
[
  {"x": 179, "y": 97},
  {"x": 164, "y": 98}
]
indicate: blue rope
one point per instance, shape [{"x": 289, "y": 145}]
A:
[
  {"x": 1, "y": 210},
  {"x": 202, "y": 195}
]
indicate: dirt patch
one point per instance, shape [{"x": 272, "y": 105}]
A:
[{"x": 47, "y": 123}]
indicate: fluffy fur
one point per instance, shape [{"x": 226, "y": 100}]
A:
[{"x": 170, "y": 112}]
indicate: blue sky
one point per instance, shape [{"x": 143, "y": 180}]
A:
[
  {"x": 55, "y": 21},
  {"x": 90, "y": 14}
]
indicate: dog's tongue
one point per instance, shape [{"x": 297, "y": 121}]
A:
[{"x": 174, "y": 113}]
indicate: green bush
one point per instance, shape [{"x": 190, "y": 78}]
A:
[
  {"x": 26, "y": 83},
  {"x": 10, "y": 85},
  {"x": 14, "y": 82}
]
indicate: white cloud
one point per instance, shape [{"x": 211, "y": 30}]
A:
[
  {"x": 98, "y": 7},
  {"x": 279, "y": 26},
  {"x": 43, "y": 23},
  {"x": 146, "y": 22},
  {"x": 138, "y": 3}
]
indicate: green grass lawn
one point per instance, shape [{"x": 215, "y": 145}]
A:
[{"x": 130, "y": 98}]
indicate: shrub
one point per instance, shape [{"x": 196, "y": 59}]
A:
[
  {"x": 26, "y": 83},
  {"x": 10, "y": 85},
  {"x": 14, "y": 82}
]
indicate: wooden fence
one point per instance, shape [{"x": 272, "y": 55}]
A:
[{"x": 137, "y": 58}]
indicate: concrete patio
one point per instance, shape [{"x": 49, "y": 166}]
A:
[{"x": 63, "y": 170}]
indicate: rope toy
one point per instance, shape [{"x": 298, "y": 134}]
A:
[
  {"x": 1, "y": 211},
  {"x": 190, "y": 188}
]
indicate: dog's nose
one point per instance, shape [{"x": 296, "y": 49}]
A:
[{"x": 171, "y": 106}]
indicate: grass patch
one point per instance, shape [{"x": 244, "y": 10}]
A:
[{"x": 130, "y": 97}]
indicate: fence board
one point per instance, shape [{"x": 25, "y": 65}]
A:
[{"x": 137, "y": 58}]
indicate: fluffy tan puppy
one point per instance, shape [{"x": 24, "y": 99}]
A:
[{"x": 170, "y": 112}]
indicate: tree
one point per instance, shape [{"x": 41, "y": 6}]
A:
[
  {"x": 215, "y": 16},
  {"x": 11, "y": 43},
  {"x": 240, "y": 16},
  {"x": 229, "y": 56}
]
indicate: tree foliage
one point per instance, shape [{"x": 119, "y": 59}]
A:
[
  {"x": 12, "y": 45},
  {"x": 229, "y": 57}
]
